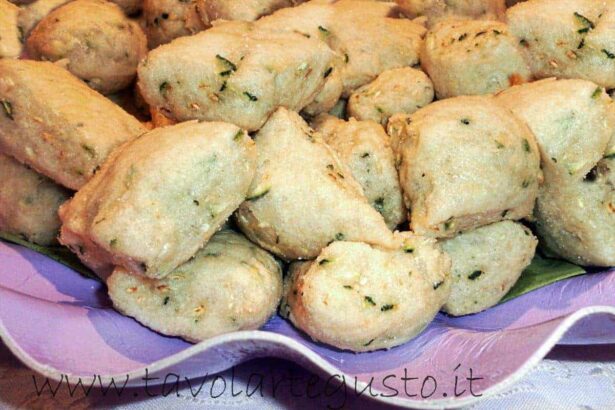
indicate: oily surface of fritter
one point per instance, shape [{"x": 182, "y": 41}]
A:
[
  {"x": 487, "y": 262},
  {"x": 29, "y": 202},
  {"x": 567, "y": 38},
  {"x": 166, "y": 20},
  {"x": 363, "y": 146},
  {"x": 573, "y": 121},
  {"x": 31, "y": 14},
  {"x": 56, "y": 124},
  {"x": 303, "y": 196},
  {"x": 94, "y": 40},
  {"x": 369, "y": 41},
  {"x": 575, "y": 212},
  {"x": 158, "y": 199},
  {"x": 245, "y": 10},
  {"x": 437, "y": 10},
  {"x": 10, "y": 44},
  {"x": 235, "y": 73},
  {"x": 465, "y": 162},
  {"x": 466, "y": 57},
  {"x": 361, "y": 298},
  {"x": 575, "y": 218},
  {"x": 400, "y": 90},
  {"x": 229, "y": 285}
]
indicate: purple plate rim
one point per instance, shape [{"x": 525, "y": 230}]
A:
[{"x": 313, "y": 360}]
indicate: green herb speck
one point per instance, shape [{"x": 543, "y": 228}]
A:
[
  {"x": 608, "y": 54},
  {"x": 91, "y": 152},
  {"x": 231, "y": 66},
  {"x": 251, "y": 97},
  {"x": 386, "y": 308},
  {"x": 475, "y": 275},
  {"x": 587, "y": 23},
  {"x": 369, "y": 300},
  {"x": 7, "y": 107},
  {"x": 164, "y": 89},
  {"x": 258, "y": 195},
  {"x": 379, "y": 204}
]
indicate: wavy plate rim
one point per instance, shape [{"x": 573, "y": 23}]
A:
[{"x": 316, "y": 361}]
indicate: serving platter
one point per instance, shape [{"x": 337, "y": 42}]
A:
[{"x": 62, "y": 325}]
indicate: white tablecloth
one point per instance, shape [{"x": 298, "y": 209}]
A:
[{"x": 580, "y": 377}]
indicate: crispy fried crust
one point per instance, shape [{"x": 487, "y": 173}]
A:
[
  {"x": 159, "y": 199},
  {"x": 56, "y": 124},
  {"x": 229, "y": 285},
  {"x": 361, "y": 298}
]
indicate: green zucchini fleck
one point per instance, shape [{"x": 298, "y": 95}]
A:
[
  {"x": 475, "y": 275},
  {"x": 228, "y": 63},
  {"x": 597, "y": 93},
  {"x": 608, "y": 54},
  {"x": 369, "y": 300},
  {"x": 368, "y": 343},
  {"x": 587, "y": 23},
  {"x": 258, "y": 193},
  {"x": 251, "y": 97},
  {"x": 379, "y": 204},
  {"x": 91, "y": 151},
  {"x": 387, "y": 307},
  {"x": 164, "y": 88},
  {"x": 526, "y": 145},
  {"x": 8, "y": 109},
  {"x": 347, "y": 287}
]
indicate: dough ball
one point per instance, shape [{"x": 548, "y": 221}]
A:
[
  {"x": 361, "y": 298},
  {"x": 229, "y": 285}
]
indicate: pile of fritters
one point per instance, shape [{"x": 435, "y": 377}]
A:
[{"x": 356, "y": 165}]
